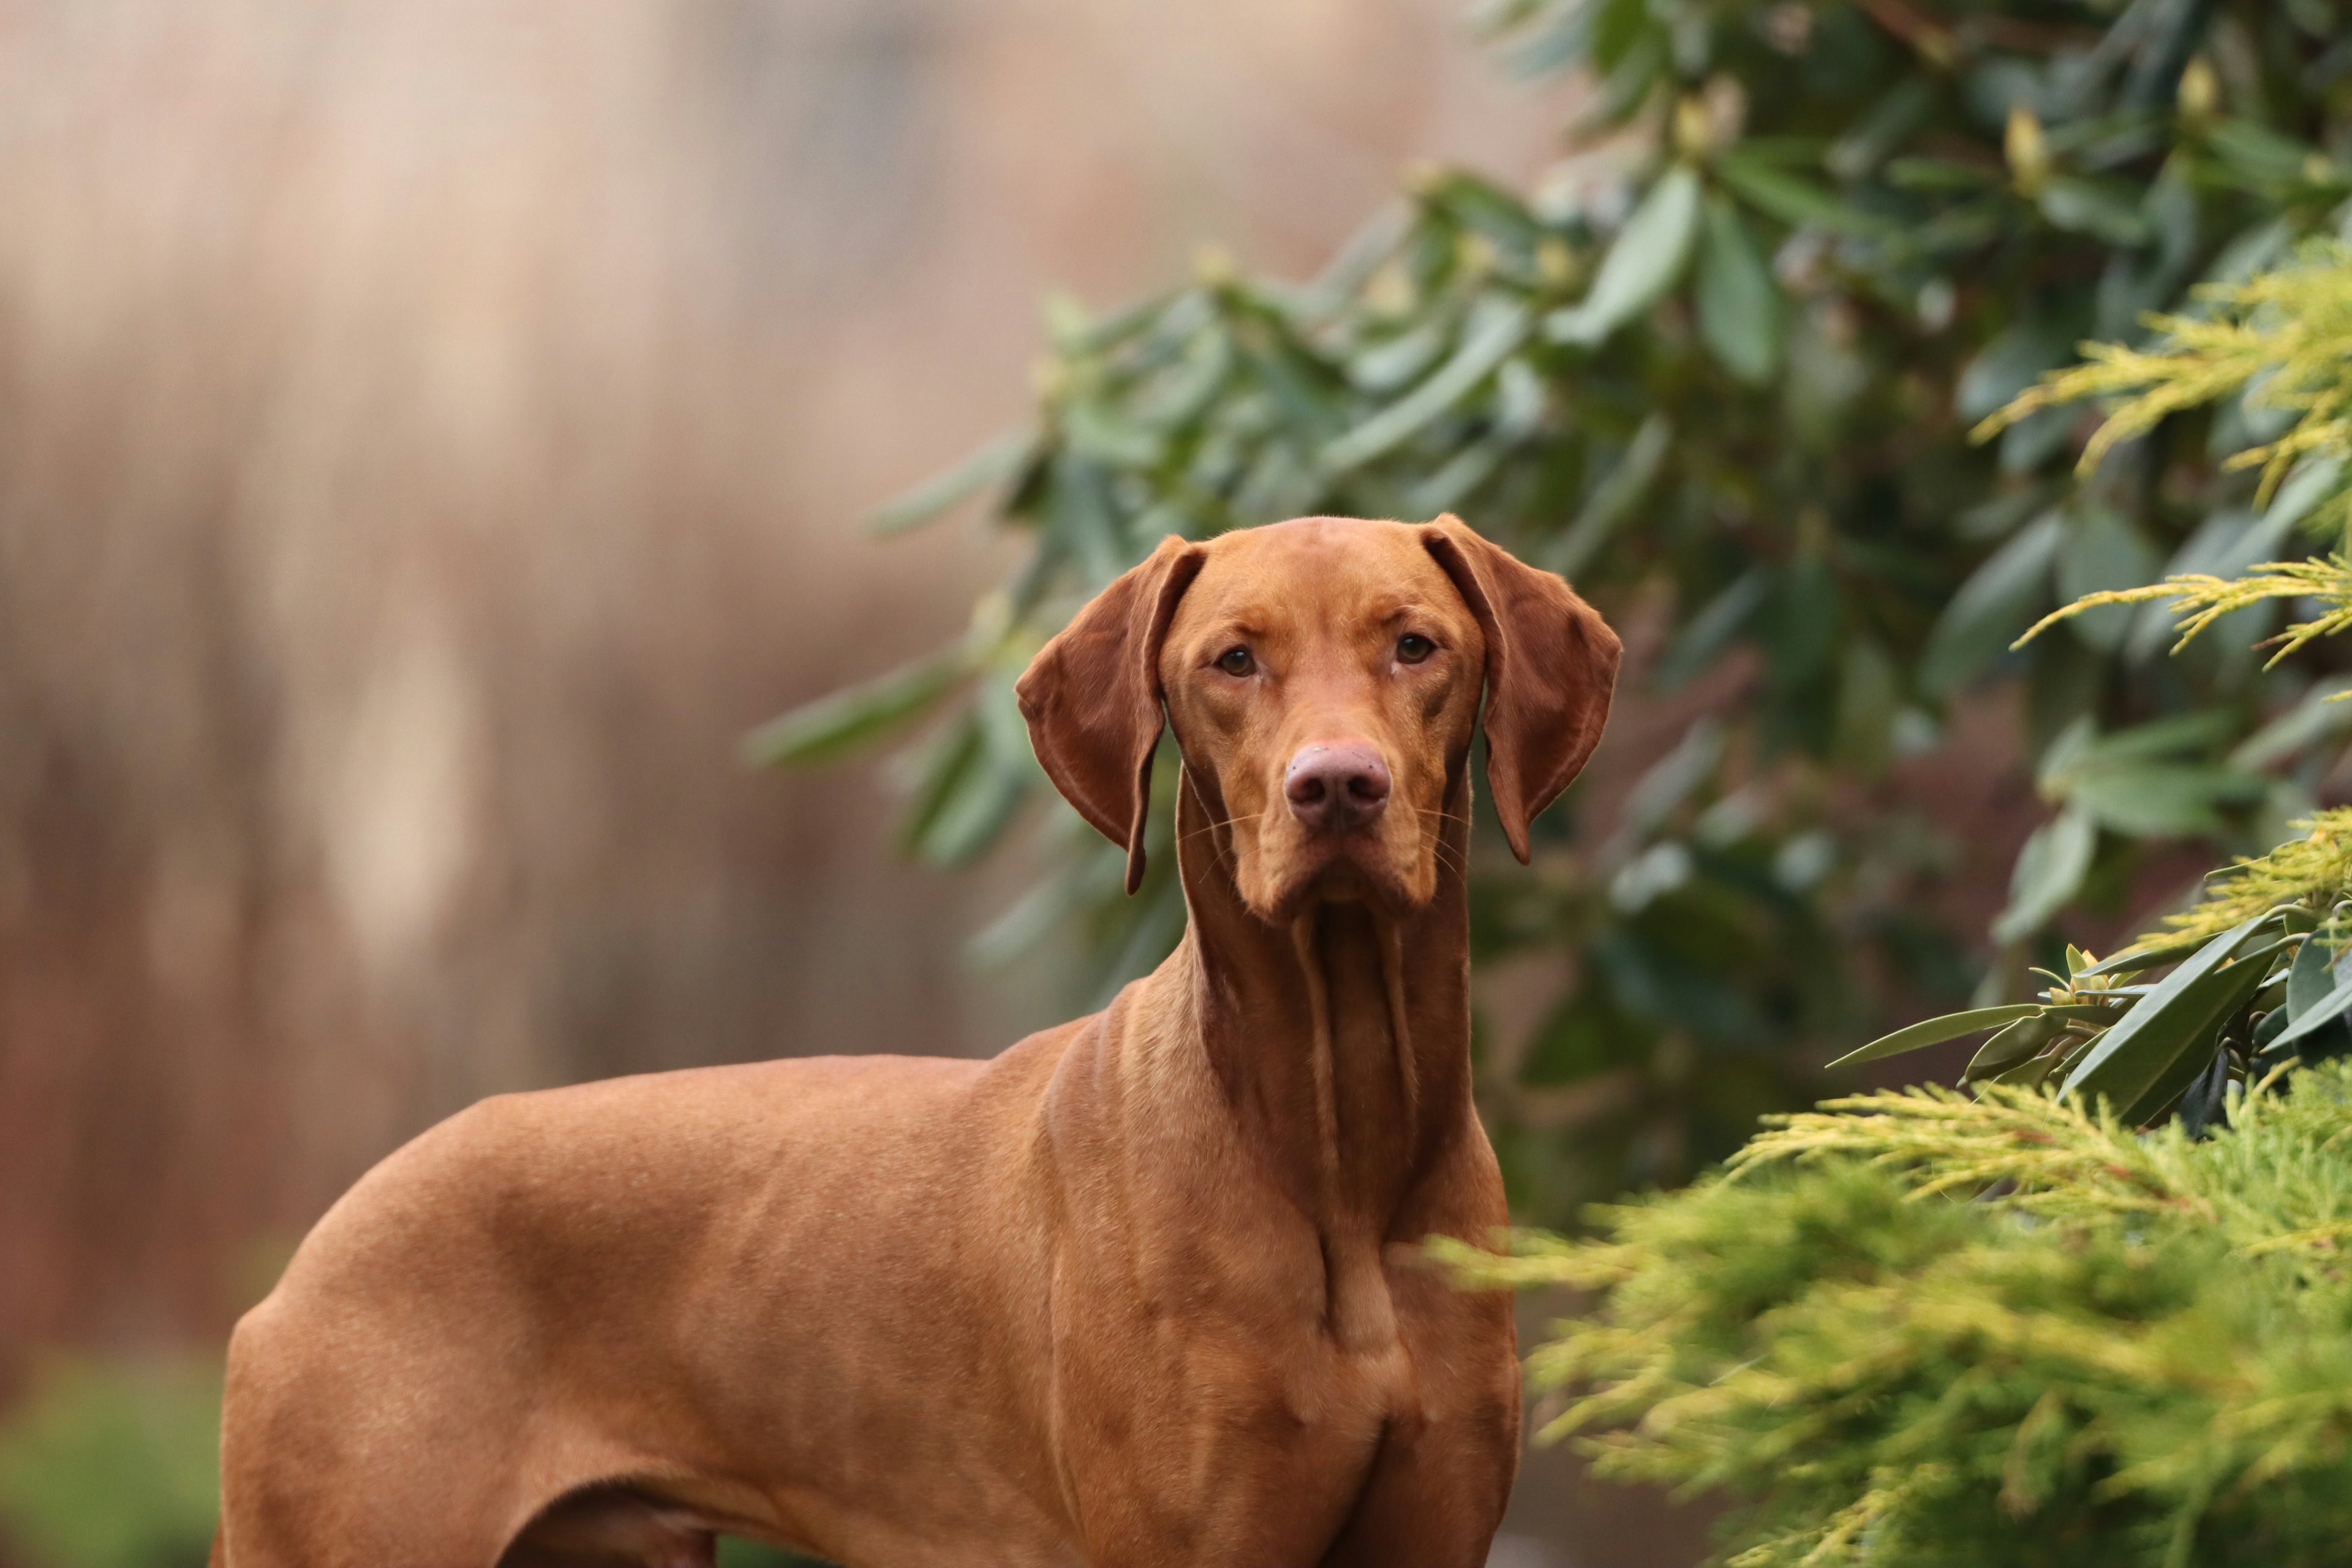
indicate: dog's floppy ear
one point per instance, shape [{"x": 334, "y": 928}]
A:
[
  {"x": 1551, "y": 664},
  {"x": 1092, "y": 697}
]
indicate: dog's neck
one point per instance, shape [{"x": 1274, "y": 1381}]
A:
[{"x": 1341, "y": 1043}]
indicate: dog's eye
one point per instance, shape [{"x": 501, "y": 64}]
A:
[
  {"x": 1413, "y": 647},
  {"x": 1236, "y": 661}
]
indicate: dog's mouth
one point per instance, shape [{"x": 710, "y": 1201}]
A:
[{"x": 1364, "y": 866}]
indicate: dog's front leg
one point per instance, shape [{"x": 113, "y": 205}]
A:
[
  {"x": 1431, "y": 1500},
  {"x": 1438, "y": 1485},
  {"x": 1210, "y": 1453}
]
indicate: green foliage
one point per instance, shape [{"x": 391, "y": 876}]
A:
[
  {"x": 114, "y": 1465},
  {"x": 1720, "y": 366},
  {"x": 2126, "y": 1349},
  {"x": 2285, "y": 340},
  {"x": 2253, "y": 982},
  {"x": 2308, "y": 869},
  {"x": 2283, "y": 336},
  {"x": 2228, "y": 1009},
  {"x": 1923, "y": 1328},
  {"x": 2201, "y": 599}
]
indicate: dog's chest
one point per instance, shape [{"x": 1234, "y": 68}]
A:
[{"x": 1247, "y": 1421}]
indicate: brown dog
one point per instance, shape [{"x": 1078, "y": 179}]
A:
[{"x": 1144, "y": 1289}]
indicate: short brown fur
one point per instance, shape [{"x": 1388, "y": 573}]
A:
[{"x": 1142, "y": 1291}]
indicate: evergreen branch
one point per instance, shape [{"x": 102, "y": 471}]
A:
[
  {"x": 2061, "y": 1158},
  {"x": 2316, "y": 867},
  {"x": 2204, "y": 599},
  {"x": 2281, "y": 337},
  {"x": 1889, "y": 1380}
]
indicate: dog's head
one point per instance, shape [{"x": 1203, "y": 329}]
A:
[{"x": 1324, "y": 676}]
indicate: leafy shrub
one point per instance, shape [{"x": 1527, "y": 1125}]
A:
[
  {"x": 2260, "y": 976},
  {"x": 2124, "y": 1346}
]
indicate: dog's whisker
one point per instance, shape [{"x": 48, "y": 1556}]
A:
[{"x": 1228, "y": 822}]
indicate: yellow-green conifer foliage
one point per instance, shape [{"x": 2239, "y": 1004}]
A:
[
  {"x": 1924, "y": 1331},
  {"x": 2284, "y": 339}
]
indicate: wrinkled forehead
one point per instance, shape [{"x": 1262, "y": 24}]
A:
[{"x": 1317, "y": 574}]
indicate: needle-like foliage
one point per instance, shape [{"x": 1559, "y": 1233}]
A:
[
  {"x": 2312, "y": 868},
  {"x": 2201, "y": 598},
  {"x": 2283, "y": 336},
  {"x": 1924, "y": 1331}
]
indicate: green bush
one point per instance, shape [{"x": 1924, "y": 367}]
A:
[
  {"x": 2258, "y": 973},
  {"x": 2126, "y": 1349},
  {"x": 1721, "y": 366},
  {"x": 1923, "y": 1329},
  {"x": 113, "y": 1464}
]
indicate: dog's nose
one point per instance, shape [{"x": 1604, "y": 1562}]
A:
[{"x": 1335, "y": 788}]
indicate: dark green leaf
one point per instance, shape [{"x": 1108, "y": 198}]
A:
[
  {"x": 1631, "y": 76},
  {"x": 1711, "y": 630},
  {"x": 2185, "y": 1069},
  {"x": 2313, "y": 480},
  {"x": 1099, "y": 431},
  {"x": 2015, "y": 361},
  {"x": 1390, "y": 363},
  {"x": 992, "y": 465},
  {"x": 832, "y": 726},
  {"x": 2326, "y": 1010},
  {"x": 2096, "y": 207},
  {"x": 2207, "y": 1103},
  {"x": 1614, "y": 499},
  {"x": 1361, "y": 255},
  {"x": 2189, "y": 1002},
  {"x": 2311, "y": 979},
  {"x": 967, "y": 815},
  {"x": 1885, "y": 127},
  {"x": 2048, "y": 874},
  {"x": 1936, "y": 1031},
  {"x": 2010, "y": 1046},
  {"x": 2157, "y": 738},
  {"x": 2031, "y": 1072},
  {"x": 1999, "y": 601},
  {"x": 1796, "y": 202},
  {"x": 1493, "y": 332},
  {"x": 1739, "y": 303},
  {"x": 2161, "y": 800},
  {"x": 2103, "y": 550},
  {"x": 1643, "y": 263},
  {"x": 1463, "y": 473},
  {"x": 1939, "y": 175},
  {"x": 2259, "y": 153}
]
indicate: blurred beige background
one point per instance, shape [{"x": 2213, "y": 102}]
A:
[{"x": 430, "y": 432}]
